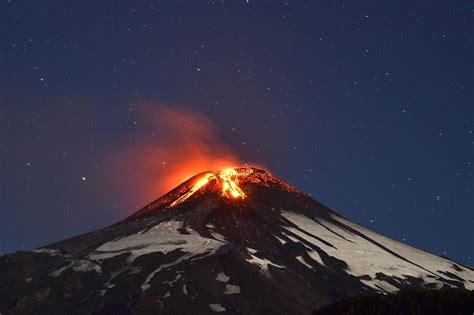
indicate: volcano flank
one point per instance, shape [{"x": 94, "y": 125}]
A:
[{"x": 235, "y": 241}]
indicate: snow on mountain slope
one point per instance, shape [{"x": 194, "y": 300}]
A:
[
  {"x": 163, "y": 237},
  {"x": 368, "y": 254}
]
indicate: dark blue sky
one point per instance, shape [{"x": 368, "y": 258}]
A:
[{"x": 365, "y": 105}]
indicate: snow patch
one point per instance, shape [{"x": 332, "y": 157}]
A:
[
  {"x": 166, "y": 235},
  {"x": 222, "y": 277},
  {"x": 172, "y": 282},
  {"x": 49, "y": 251},
  {"x": 303, "y": 261},
  {"x": 316, "y": 257},
  {"x": 80, "y": 265},
  {"x": 282, "y": 241},
  {"x": 83, "y": 265},
  {"x": 231, "y": 289},
  {"x": 261, "y": 262},
  {"x": 251, "y": 250},
  {"x": 163, "y": 238},
  {"x": 218, "y": 236},
  {"x": 312, "y": 253},
  {"x": 216, "y": 307}
]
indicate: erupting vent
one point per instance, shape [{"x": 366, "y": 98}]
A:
[
  {"x": 231, "y": 184},
  {"x": 228, "y": 181}
]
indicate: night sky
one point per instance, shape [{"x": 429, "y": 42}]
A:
[{"x": 365, "y": 105}]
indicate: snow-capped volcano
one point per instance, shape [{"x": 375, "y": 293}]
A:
[{"x": 235, "y": 241}]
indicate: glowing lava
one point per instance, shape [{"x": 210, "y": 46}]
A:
[
  {"x": 230, "y": 181},
  {"x": 227, "y": 179},
  {"x": 203, "y": 181}
]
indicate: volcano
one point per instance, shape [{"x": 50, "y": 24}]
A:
[{"x": 234, "y": 241}]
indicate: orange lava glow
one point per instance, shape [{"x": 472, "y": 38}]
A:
[
  {"x": 197, "y": 148},
  {"x": 170, "y": 146},
  {"x": 227, "y": 179},
  {"x": 230, "y": 183},
  {"x": 203, "y": 181}
]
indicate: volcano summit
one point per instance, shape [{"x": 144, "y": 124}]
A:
[{"x": 236, "y": 241}]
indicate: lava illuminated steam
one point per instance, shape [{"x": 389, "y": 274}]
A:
[
  {"x": 172, "y": 145},
  {"x": 227, "y": 179}
]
